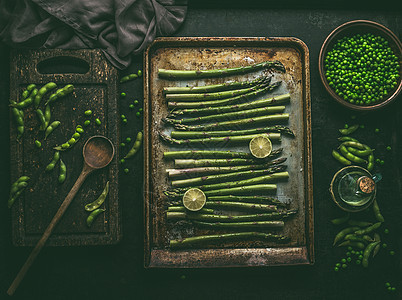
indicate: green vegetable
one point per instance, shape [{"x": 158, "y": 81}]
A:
[
  {"x": 350, "y": 156},
  {"x": 131, "y": 106},
  {"x": 139, "y": 73},
  {"x": 340, "y": 158},
  {"x": 47, "y": 116},
  {"x": 99, "y": 201},
  {"x": 206, "y": 154},
  {"x": 16, "y": 189},
  {"x": 341, "y": 220},
  {"x": 138, "y": 114},
  {"x": 367, "y": 252},
  {"x": 137, "y": 144},
  {"x": 72, "y": 141},
  {"x": 43, "y": 90},
  {"x": 126, "y": 170},
  {"x": 91, "y": 218},
  {"x": 38, "y": 144},
  {"x": 62, "y": 172},
  {"x": 349, "y": 130},
  {"x": 128, "y": 140},
  {"x": 128, "y": 78},
  {"x": 88, "y": 112},
  {"x": 51, "y": 128},
  {"x": 97, "y": 121},
  {"x": 377, "y": 212},
  {"x": 369, "y": 229},
  {"x": 68, "y": 89},
  {"x": 87, "y": 122},
  {"x": 253, "y": 224},
  {"x": 53, "y": 162},
  {"x": 123, "y": 95},
  {"x": 179, "y": 74},
  {"x": 341, "y": 234},
  {"x": 136, "y": 102},
  {"x": 377, "y": 130},
  {"x": 42, "y": 119},
  {"x": 28, "y": 90},
  {"x": 388, "y": 148},
  {"x": 122, "y": 145},
  {"x": 124, "y": 121}
]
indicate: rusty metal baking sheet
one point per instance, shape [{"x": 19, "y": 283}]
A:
[{"x": 215, "y": 53}]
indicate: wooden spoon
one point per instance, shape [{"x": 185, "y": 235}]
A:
[{"x": 98, "y": 152}]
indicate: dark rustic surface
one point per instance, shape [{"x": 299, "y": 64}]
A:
[
  {"x": 117, "y": 272},
  {"x": 94, "y": 89},
  {"x": 174, "y": 53}
]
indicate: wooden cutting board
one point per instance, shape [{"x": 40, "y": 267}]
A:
[{"x": 95, "y": 82}]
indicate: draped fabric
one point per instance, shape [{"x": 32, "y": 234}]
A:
[{"x": 119, "y": 27}]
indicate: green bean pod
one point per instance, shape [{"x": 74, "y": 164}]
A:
[
  {"x": 350, "y": 130},
  {"x": 358, "y": 152},
  {"x": 23, "y": 104},
  {"x": 19, "y": 120},
  {"x": 347, "y": 139},
  {"x": 370, "y": 164},
  {"x": 91, "y": 218},
  {"x": 350, "y": 156},
  {"x": 48, "y": 115},
  {"x": 377, "y": 213},
  {"x": 368, "y": 238},
  {"x": 354, "y": 145},
  {"x": 367, "y": 251},
  {"x": 359, "y": 223},
  {"x": 341, "y": 220},
  {"x": 16, "y": 189},
  {"x": 41, "y": 118},
  {"x": 377, "y": 238},
  {"x": 136, "y": 146},
  {"x": 71, "y": 142},
  {"x": 53, "y": 162},
  {"x": 369, "y": 229},
  {"x": 12, "y": 199},
  {"x": 352, "y": 244},
  {"x": 62, "y": 171},
  {"x": 341, "y": 234},
  {"x": 43, "y": 90},
  {"x": 68, "y": 89},
  {"x": 340, "y": 158},
  {"x": 51, "y": 127},
  {"x": 354, "y": 238},
  {"x": 128, "y": 77},
  {"x": 28, "y": 90},
  {"x": 98, "y": 202}
]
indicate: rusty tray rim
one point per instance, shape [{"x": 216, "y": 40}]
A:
[{"x": 306, "y": 253}]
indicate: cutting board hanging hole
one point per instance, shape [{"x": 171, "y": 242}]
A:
[{"x": 63, "y": 65}]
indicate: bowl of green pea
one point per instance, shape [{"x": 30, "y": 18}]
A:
[{"x": 360, "y": 65}]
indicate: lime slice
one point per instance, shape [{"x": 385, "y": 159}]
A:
[
  {"x": 194, "y": 199},
  {"x": 260, "y": 146}
]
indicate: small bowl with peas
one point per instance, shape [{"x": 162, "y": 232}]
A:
[{"x": 360, "y": 65}]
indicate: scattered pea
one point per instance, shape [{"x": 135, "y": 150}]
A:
[
  {"x": 360, "y": 257},
  {"x": 378, "y": 160},
  {"x": 124, "y": 121},
  {"x": 386, "y": 230},
  {"x": 88, "y": 112},
  {"x": 128, "y": 140},
  {"x": 353, "y": 252},
  {"x": 382, "y": 162},
  {"x": 126, "y": 170},
  {"x": 72, "y": 141},
  {"x": 358, "y": 262},
  {"x": 389, "y": 288},
  {"x": 131, "y": 106},
  {"x": 338, "y": 265},
  {"x": 384, "y": 245},
  {"x": 79, "y": 130},
  {"x": 139, "y": 73},
  {"x": 65, "y": 145},
  {"x": 377, "y": 130},
  {"x": 123, "y": 94},
  {"x": 393, "y": 289},
  {"x": 76, "y": 135},
  {"x": 336, "y": 269},
  {"x": 136, "y": 102},
  {"x": 140, "y": 109},
  {"x": 348, "y": 253},
  {"x": 97, "y": 121},
  {"x": 349, "y": 259},
  {"x": 344, "y": 266},
  {"x": 343, "y": 260},
  {"x": 346, "y": 126},
  {"x": 122, "y": 117},
  {"x": 350, "y": 248},
  {"x": 87, "y": 122},
  {"x": 38, "y": 144},
  {"x": 138, "y": 114},
  {"x": 391, "y": 252},
  {"x": 362, "y": 126},
  {"x": 122, "y": 161},
  {"x": 387, "y": 284},
  {"x": 122, "y": 145},
  {"x": 389, "y": 148}
]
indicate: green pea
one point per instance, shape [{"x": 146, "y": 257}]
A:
[
  {"x": 88, "y": 112},
  {"x": 138, "y": 114},
  {"x": 391, "y": 252},
  {"x": 377, "y": 130},
  {"x": 97, "y": 121},
  {"x": 122, "y": 117},
  {"x": 348, "y": 253},
  {"x": 382, "y": 162},
  {"x": 336, "y": 269},
  {"x": 131, "y": 106},
  {"x": 136, "y": 102},
  {"x": 343, "y": 260},
  {"x": 344, "y": 266},
  {"x": 389, "y": 148},
  {"x": 72, "y": 141},
  {"x": 387, "y": 284},
  {"x": 122, "y": 161},
  {"x": 80, "y": 130},
  {"x": 65, "y": 146},
  {"x": 128, "y": 139},
  {"x": 38, "y": 144},
  {"x": 393, "y": 289},
  {"x": 338, "y": 265},
  {"x": 87, "y": 122},
  {"x": 389, "y": 288},
  {"x": 386, "y": 230},
  {"x": 126, "y": 170},
  {"x": 384, "y": 245},
  {"x": 349, "y": 259},
  {"x": 358, "y": 262},
  {"x": 140, "y": 109},
  {"x": 123, "y": 95},
  {"x": 76, "y": 135},
  {"x": 139, "y": 73},
  {"x": 122, "y": 145},
  {"x": 124, "y": 121}
]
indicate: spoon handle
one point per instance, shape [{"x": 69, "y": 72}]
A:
[{"x": 67, "y": 201}]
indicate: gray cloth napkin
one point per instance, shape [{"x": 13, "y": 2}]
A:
[{"x": 119, "y": 27}]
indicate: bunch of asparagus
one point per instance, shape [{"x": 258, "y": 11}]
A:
[{"x": 213, "y": 114}]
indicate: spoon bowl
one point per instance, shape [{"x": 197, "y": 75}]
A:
[{"x": 98, "y": 152}]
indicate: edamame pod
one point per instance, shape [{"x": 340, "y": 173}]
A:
[
  {"x": 28, "y": 90},
  {"x": 23, "y": 104},
  {"x": 341, "y": 234},
  {"x": 63, "y": 172},
  {"x": 12, "y": 199},
  {"x": 91, "y": 218},
  {"x": 98, "y": 202},
  {"x": 350, "y": 156},
  {"x": 51, "y": 127},
  {"x": 358, "y": 152},
  {"x": 370, "y": 164},
  {"x": 359, "y": 223},
  {"x": 341, "y": 220},
  {"x": 377, "y": 212},
  {"x": 43, "y": 90},
  {"x": 19, "y": 120},
  {"x": 16, "y": 189},
  {"x": 366, "y": 254},
  {"x": 352, "y": 244},
  {"x": 350, "y": 130},
  {"x": 69, "y": 88},
  {"x": 53, "y": 162},
  {"x": 128, "y": 77},
  {"x": 71, "y": 142},
  {"x": 377, "y": 238},
  {"x": 340, "y": 158},
  {"x": 368, "y": 229},
  {"x": 136, "y": 146},
  {"x": 347, "y": 139},
  {"x": 41, "y": 118},
  {"x": 48, "y": 115}
]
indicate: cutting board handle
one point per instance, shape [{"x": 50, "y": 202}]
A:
[{"x": 63, "y": 65}]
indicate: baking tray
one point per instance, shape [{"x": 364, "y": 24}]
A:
[
  {"x": 208, "y": 53},
  {"x": 95, "y": 88}
]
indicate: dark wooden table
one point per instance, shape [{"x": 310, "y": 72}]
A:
[{"x": 116, "y": 272}]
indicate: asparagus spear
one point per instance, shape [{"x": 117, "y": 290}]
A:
[
  {"x": 174, "y": 173},
  {"x": 206, "y": 154},
  {"x": 186, "y": 163},
  {"x": 205, "y": 239},
  {"x": 235, "y": 123},
  {"x": 217, "y": 95},
  {"x": 254, "y": 224},
  {"x": 226, "y": 176},
  {"x": 212, "y": 88},
  {"x": 279, "y": 215},
  {"x": 229, "y": 116},
  {"x": 231, "y": 184},
  {"x": 231, "y": 108},
  {"x": 224, "y": 139},
  {"x": 230, "y": 191},
  {"x": 240, "y": 205},
  {"x": 226, "y": 101},
  {"x": 181, "y": 74},
  {"x": 253, "y": 199},
  {"x": 183, "y": 209},
  {"x": 205, "y": 134}
]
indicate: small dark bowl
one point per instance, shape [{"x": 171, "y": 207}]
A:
[{"x": 361, "y": 27}]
